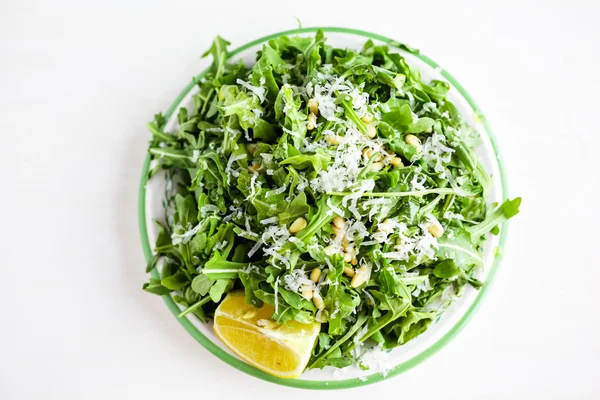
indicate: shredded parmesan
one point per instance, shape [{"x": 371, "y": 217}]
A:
[
  {"x": 185, "y": 236},
  {"x": 437, "y": 154},
  {"x": 258, "y": 91}
]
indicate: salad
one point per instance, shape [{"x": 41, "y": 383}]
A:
[{"x": 332, "y": 187}]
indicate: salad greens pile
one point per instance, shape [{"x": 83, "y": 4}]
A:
[{"x": 328, "y": 159}]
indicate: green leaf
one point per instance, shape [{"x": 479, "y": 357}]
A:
[
  {"x": 291, "y": 298},
  {"x": 172, "y": 157},
  {"x": 390, "y": 78},
  {"x": 263, "y": 71},
  {"x": 413, "y": 325},
  {"x": 399, "y": 118},
  {"x": 360, "y": 322},
  {"x": 220, "y": 287},
  {"x": 319, "y": 161},
  {"x": 390, "y": 284},
  {"x": 264, "y": 131},
  {"x": 202, "y": 284},
  {"x": 395, "y": 307},
  {"x": 437, "y": 90},
  {"x": 507, "y": 210},
  {"x": 294, "y": 119},
  {"x": 251, "y": 282},
  {"x": 460, "y": 250},
  {"x": 175, "y": 281},
  {"x": 155, "y": 287},
  {"x": 422, "y": 125},
  {"x": 346, "y": 103},
  {"x": 186, "y": 211},
  {"x": 218, "y": 51},
  {"x": 446, "y": 269},
  {"x": 219, "y": 268}
]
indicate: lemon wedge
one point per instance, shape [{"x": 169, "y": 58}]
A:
[{"x": 282, "y": 350}]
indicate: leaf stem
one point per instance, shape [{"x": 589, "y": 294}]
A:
[
  {"x": 359, "y": 322},
  {"x": 162, "y": 153},
  {"x": 401, "y": 194},
  {"x": 194, "y": 306}
]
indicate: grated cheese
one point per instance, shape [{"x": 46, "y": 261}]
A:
[
  {"x": 258, "y": 91},
  {"x": 255, "y": 248},
  {"x": 296, "y": 279},
  {"x": 422, "y": 245},
  {"x": 436, "y": 154},
  {"x": 208, "y": 209},
  {"x": 276, "y": 293},
  {"x": 228, "y": 170},
  {"x": 185, "y": 236},
  {"x": 268, "y": 221}
]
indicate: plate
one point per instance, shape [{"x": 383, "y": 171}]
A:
[{"x": 441, "y": 332}]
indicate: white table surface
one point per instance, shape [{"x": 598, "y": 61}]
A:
[{"x": 78, "y": 82}]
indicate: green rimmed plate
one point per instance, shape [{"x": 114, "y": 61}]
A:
[{"x": 151, "y": 194}]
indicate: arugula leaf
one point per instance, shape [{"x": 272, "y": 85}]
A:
[
  {"x": 218, "y": 50},
  {"x": 155, "y": 287},
  {"x": 412, "y": 325},
  {"x": 422, "y": 125},
  {"x": 176, "y": 281},
  {"x": 202, "y": 284},
  {"x": 446, "y": 269},
  {"x": 507, "y": 210},
  {"x": 219, "y": 288},
  {"x": 319, "y": 161},
  {"x": 315, "y": 137},
  {"x": 399, "y": 118},
  {"x": 460, "y": 250},
  {"x": 219, "y": 268}
]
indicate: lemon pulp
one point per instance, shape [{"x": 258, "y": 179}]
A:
[{"x": 282, "y": 350}]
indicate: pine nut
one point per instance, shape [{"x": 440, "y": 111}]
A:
[
  {"x": 367, "y": 118},
  {"x": 307, "y": 292},
  {"x": 256, "y": 169},
  {"x": 396, "y": 162},
  {"x": 298, "y": 225},
  {"x": 315, "y": 275},
  {"x": 312, "y": 122},
  {"x": 371, "y": 131},
  {"x": 338, "y": 222},
  {"x": 413, "y": 140},
  {"x": 322, "y": 316},
  {"x": 376, "y": 166},
  {"x": 252, "y": 148},
  {"x": 345, "y": 242},
  {"x": 333, "y": 139},
  {"x": 349, "y": 272},
  {"x": 270, "y": 324},
  {"x": 351, "y": 250},
  {"x": 354, "y": 261},
  {"x": 250, "y": 314},
  {"x": 330, "y": 250},
  {"x": 435, "y": 229},
  {"x": 368, "y": 153},
  {"x": 318, "y": 301},
  {"x": 362, "y": 275},
  {"x": 386, "y": 226},
  {"x": 347, "y": 257},
  {"x": 313, "y": 106}
]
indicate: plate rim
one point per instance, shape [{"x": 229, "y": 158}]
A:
[{"x": 353, "y": 382}]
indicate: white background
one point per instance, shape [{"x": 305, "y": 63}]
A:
[{"x": 78, "y": 82}]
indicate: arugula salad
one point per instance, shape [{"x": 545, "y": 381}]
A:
[{"x": 334, "y": 185}]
